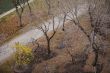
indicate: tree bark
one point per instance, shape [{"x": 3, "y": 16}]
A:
[
  {"x": 20, "y": 19},
  {"x": 48, "y": 47},
  {"x": 96, "y": 58}
]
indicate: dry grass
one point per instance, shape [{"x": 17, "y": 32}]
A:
[
  {"x": 75, "y": 41},
  {"x": 75, "y": 44},
  {"x": 9, "y": 25},
  {"x": 84, "y": 21},
  {"x": 7, "y": 67}
]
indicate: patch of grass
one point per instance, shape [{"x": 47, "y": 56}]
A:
[
  {"x": 9, "y": 38},
  {"x": 7, "y": 67},
  {"x": 40, "y": 4},
  {"x": 9, "y": 24}
]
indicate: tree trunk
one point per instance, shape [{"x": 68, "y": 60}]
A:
[
  {"x": 20, "y": 19},
  {"x": 29, "y": 5},
  {"x": 95, "y": 61},
  {"x": 48, "y": 47},
  {"x": 107, "y": 3},
  {"x": 96, "y": 58},
  {"x": 64, "y": 22}
]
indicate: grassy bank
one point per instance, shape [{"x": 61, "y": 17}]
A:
[
  {"x": 9, "y": 25},
  {"x": 7, "y": 67}
]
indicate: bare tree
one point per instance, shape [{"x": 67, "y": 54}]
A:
[
  {"x": 19, "y": 13},
  {"x": 63, "y": 9},
  {"x": 27, "y": 1},
  {"x": 64, "y": 20},
  {"x": 21, "y": 4},
  {"x": 73, "y": 16},
  {"x": 95, "y": 13},
  {"x": 52, "y": 6},
  {"x": 71, "y": 55},
  {"x": 48, "y": 2},
  {"x": 45, "y": 29}
]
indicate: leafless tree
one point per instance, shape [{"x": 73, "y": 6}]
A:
[
  {"x": 45, "y": 29},
  {"x": 73, "y": 16},
  {"x": 19, "y": 11},
  {"x": 76, "y": 58},
  {"x": 107, "y": 2},
  {"x": 64, "y": 20},
  {"x": 48, "y": 3},
  {"x": 96, "y": 14},
  {"x": 27, "y": 1},
  {"x": 63, "y": 10},
  {"x": 71, "y": 55},
  {"x": 35, "y": 42},
  {"x": 52, "y": 6}
]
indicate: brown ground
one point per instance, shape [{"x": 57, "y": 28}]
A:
[
  {"x": 9, "y": 25},
  {"x": 76, "y": 42},
  {"x": 59, "y": 44}
]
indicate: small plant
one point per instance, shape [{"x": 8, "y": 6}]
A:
[{"x": 23, "y": 56}]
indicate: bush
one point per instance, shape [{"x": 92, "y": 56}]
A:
[{"x": 23, "y": 54}]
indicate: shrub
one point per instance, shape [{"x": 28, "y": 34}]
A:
[{"x": 23, "y": 54}]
